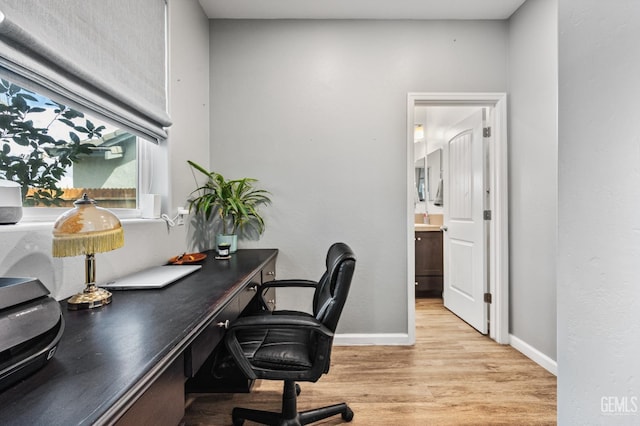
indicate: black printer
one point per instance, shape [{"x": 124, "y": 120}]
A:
[{"x": 31, "y": 325}]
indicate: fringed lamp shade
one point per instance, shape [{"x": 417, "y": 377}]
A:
[{"x": 86, "y": 230}]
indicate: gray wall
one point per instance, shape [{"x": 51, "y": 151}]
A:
[
  {"x": 188, "y": 95},
  {"x": 533, "y": 177},
  {"x": 599, "y": 212},
  {"x": 317, "y": 111}
]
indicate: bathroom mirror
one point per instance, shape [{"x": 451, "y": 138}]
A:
[
  {"x": 421, "y": 176},
  {"x": 434, "y": 168}
]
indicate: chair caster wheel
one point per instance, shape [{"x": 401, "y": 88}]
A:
[
  {"x": 298, "y": 390},
  {"x": 347, "y": 415}
]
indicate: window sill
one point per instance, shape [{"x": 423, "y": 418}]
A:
[
  {"x": 50, "y": 214},
  {"x": 38, "y": 225}
]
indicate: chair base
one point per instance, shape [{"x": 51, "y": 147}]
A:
[{"x": 290, "y": 416}]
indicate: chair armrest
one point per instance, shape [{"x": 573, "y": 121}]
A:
[
  {"x": 290, "y": 283},
  {"x": 293, "y": 283}
]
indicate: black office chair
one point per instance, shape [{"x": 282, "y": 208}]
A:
[{"x": 294, "y": 346}]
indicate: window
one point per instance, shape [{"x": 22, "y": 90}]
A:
[{"x": 56, "y": 153}]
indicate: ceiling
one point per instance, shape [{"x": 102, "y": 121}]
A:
[
  {"x": 437, "y": 119},
  {"x": 360, "y": 9}
]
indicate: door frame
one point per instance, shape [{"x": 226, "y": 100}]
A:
[{"x": 498, "y": 254}]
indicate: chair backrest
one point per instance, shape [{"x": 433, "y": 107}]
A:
[{"x": 333, "y": 288}]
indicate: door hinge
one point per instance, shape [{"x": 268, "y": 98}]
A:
[
  {"x": 487, "y": 298},
  {"x": 487, "y": 215},
  {"x": 486, "y": 132}
]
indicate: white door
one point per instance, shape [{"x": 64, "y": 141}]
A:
[{"x": 465, "y": 278}]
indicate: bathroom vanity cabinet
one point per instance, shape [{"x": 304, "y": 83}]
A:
[{"x": 429, "y": 263}]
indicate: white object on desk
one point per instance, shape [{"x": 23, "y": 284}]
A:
[{"x": 155, "y": 277}]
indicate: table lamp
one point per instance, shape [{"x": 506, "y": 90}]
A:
[{"x": 87, "y": 229}]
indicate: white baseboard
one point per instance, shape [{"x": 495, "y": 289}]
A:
[
  {"x": 356, "y": 339},
  {"x": 535, "y": 355}
]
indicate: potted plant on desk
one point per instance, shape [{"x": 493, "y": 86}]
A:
[{"x": 235, "y": 202}]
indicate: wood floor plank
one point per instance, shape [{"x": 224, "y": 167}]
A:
[{"x": 451, "y": 376}]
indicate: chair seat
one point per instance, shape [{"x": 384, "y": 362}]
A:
[{"x": 277, "y": 349}]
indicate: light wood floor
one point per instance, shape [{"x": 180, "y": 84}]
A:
[{"x": 452, "y": 376}]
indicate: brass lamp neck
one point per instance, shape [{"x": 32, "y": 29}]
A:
[{"x": 90, "y": 269}]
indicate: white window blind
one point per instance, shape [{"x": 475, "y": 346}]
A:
[{"x": 104, "y": 55}]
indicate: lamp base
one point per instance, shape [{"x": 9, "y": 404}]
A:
[{"x": 91, "y": 297}]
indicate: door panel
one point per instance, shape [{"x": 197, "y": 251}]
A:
[
  {"x": 464, "y": 240},
  {"x": 461, "y": 177},
  {"x": 461, "y": 276}
]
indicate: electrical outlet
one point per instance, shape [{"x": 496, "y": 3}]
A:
[
  {"x": 178, "y": 220},
  {"x": 180, "y": 216}
]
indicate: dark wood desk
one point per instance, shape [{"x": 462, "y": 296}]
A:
[{"x": 126, "y": 362}]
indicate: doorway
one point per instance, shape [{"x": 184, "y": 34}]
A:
[{"x": 496, "y": 182}]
